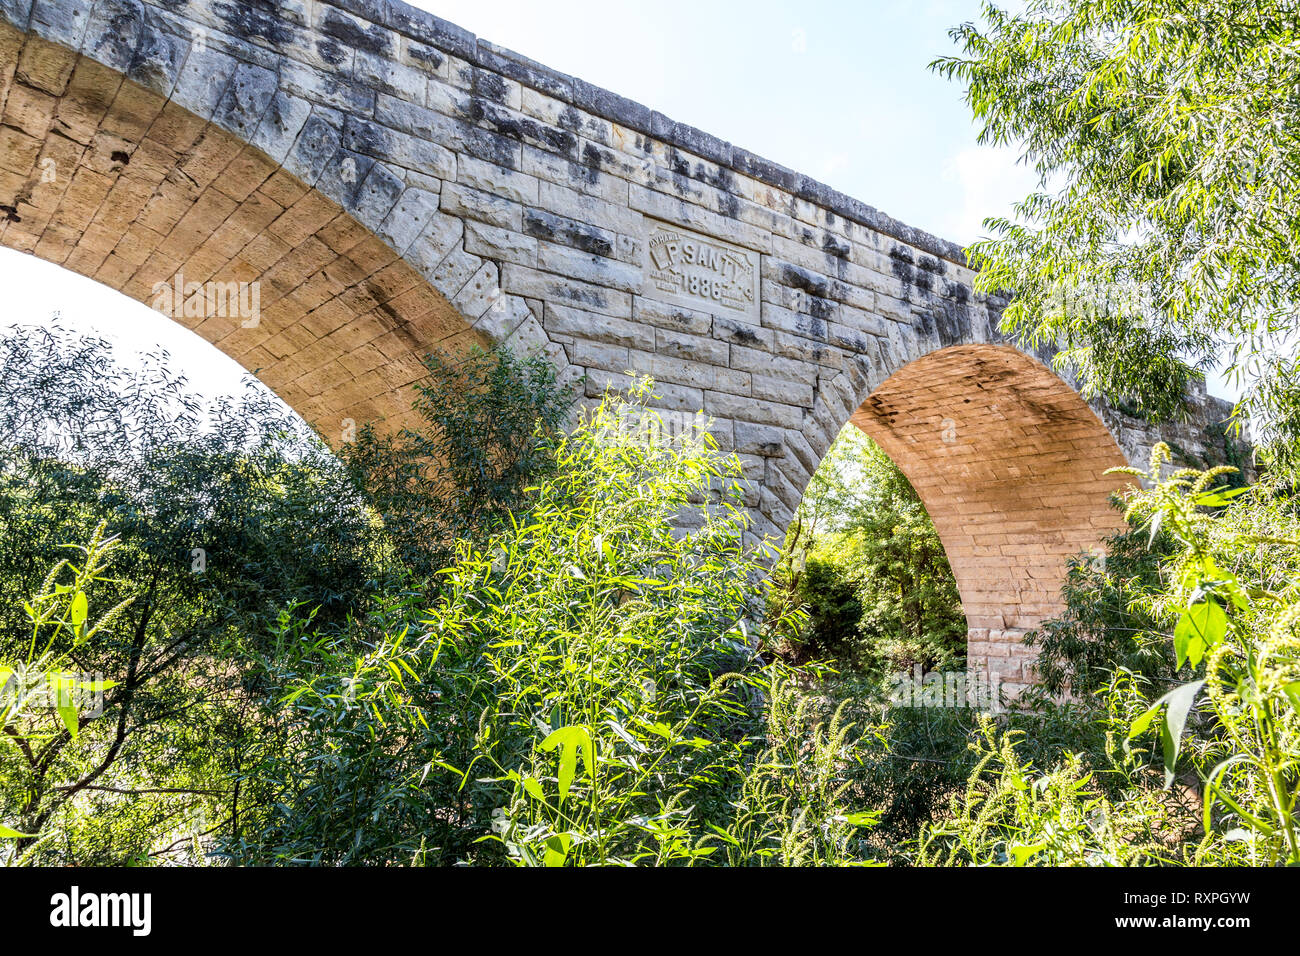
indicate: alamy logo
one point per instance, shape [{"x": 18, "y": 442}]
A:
[
  {"x": 946, "y": 689},
  {"x": 74, "y": 908},
  {"x": 205, "y": 300}
]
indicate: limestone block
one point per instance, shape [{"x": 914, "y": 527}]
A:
[{"x": 246, "y": 98}]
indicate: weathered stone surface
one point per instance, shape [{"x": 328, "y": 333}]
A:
[
  {"x": 392, "y": 184},
  {"x": 246, "y": 98}
]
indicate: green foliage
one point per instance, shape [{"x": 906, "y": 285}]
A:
[
  {"x": 223, "y": 514},
  {"x": 226, "y": 515},
  {"x": 791, "y": 807},
  {"x": 1164, "y": 230},
  {"x": 830, "y": 593},
  {"x": 917, "y": 760},
  {"x": 1233, "y": 594},
  {"x": 484, "y": 421},
  {"x": 41, "y": 697},
  {"x": 1108, "y": 620},
  {"x": 875, "y": 578},
  {"x": 584, "y": 690},
  {"x": 1013, "y": 815},
  {"x": 918, "y": 757},
  {"x": 1227, "y": 608},
  {"x": 585, "y": 684}
]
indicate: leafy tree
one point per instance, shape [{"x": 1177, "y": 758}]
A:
[
  {"x": 225, "y": 514},
  {"x": 876, "y": 579},
  {"x": 830, "y": 593},
  {"x": 482, "y": 440},
  {"x": 1165, "y": 228},
  {"x": 1164, "y": 231},
  {"x": 222, "y": 515}
]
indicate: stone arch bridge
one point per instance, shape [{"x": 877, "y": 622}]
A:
[{"x": 360, "y": 182}]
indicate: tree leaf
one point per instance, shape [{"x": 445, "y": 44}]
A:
[
  {"x": 1021, "y": 854},
  {"x": 1292, "y": 691},
  {"x": 534, "y": 789},
  {"x": 1199, "y": 628},
  {"x": 865, "y": 819},
  {"x": 68, "y": 714},
  {"x": 77, "y": 611},
  {"x": 1179, "y": 703},
  {"x": 571, "y": 740},
  {"x": 1184, "y": 636},
  {"x": 557, "y": 849}
]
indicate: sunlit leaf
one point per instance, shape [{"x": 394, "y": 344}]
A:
[
  {"x": 77, "y": 611},
  {"x": 534, "y": 789},
  {"x": 1020, "y": 854},
  {"x": 571, "y": 741}
]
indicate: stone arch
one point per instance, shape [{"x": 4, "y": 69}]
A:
[
  {"x": 1010, "y": 463},
  {"x": 147, "y": 171}
]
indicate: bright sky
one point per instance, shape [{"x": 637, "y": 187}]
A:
[{"x": 838, "y": 90}]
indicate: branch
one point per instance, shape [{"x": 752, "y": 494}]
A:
[
  {"x": 136, "y": 792},
  {"x": 193, "y": 836}
]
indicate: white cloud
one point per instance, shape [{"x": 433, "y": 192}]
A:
[{"x": 990, "y": 182}]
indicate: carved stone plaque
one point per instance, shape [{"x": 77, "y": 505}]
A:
[{"x": 689, "y": 269}]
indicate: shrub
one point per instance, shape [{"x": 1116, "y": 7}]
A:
[
  {"x": 482, "y": 439},
  {"x": 585, "y": 689},
  {"x": 1108, "y": 620}
]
